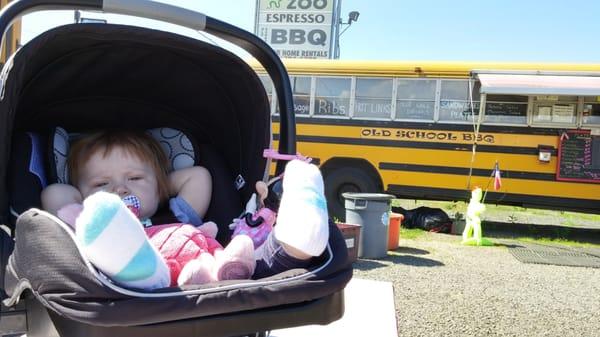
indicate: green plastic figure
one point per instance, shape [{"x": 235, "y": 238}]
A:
[{"x": 472, "y": 235}]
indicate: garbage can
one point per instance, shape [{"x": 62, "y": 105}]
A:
[
  {"x": 372, "y": 212},
  {"x": 394, "y": 236}
]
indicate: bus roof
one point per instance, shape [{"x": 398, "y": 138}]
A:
[{"x": 420, "y": 68}]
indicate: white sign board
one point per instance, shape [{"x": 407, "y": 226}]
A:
[{"x": 297, "y": 28}]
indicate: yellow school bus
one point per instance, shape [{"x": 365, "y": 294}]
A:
[
  {"x": 12, "y": 39},
  {"x": 435, "y": 130}
]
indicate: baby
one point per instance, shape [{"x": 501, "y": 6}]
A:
[{"x": 128, "y": 163}]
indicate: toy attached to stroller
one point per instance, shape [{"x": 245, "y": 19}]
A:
[{"x": 102, "y": 76}]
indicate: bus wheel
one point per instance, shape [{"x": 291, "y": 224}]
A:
[{"x": 347, "y": 179}]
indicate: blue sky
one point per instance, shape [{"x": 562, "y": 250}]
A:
[{"x": 445, "y": 30}]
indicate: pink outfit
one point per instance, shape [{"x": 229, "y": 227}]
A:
[
  {"x": 180, "y": 243},
  {"x": 177, "y": 243},
  {"x": 259, "y": 233}
]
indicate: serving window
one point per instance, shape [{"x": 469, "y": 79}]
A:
[
  {"x": 506, "y": 109},
  {"x": 591, "y": 110},
  {"x": 554, "y": 109}
]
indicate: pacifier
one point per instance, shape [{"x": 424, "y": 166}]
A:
[{"x": 133, "y": 203}]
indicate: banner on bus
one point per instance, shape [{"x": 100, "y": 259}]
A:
[{"x": 297, "y": 28}]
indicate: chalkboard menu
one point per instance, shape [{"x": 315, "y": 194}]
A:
[
  {"x": 505, "y": 109},
  {"x": 579, "y": 157}
]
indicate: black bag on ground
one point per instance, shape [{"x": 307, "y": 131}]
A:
[{"x": 426, "y": 218}]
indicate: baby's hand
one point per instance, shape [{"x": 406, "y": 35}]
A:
[
  {"x": 234, "y": 223},
  {"x": 69, "y": 213},
  {"x": 209, "y": 229}
]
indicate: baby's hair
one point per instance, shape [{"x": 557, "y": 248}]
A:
[{"x": 137, "y": 143}]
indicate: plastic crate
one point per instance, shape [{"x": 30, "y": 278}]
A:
[{"x": 351, "y": 233}]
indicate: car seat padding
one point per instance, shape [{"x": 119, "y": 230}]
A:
[{"x": 179, "y": 149}]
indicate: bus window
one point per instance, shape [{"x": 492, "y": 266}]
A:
[
  {"x": 591, "y": 110},
  {"x": 301, "y": 91},
  {"x": 268, "y": 84},
  {"x": 301, "y": 94},
  {"x": 332, "y": 96},
  {"x": 554, "y": 109},
  {"x": 415, "y": 99},
  {"x": 506, "y": 109},
  {"x": 373, "y": 98},
  {"x": 455, "y": 101}
]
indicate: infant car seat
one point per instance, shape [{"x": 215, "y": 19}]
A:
[{"x": 96, "y": 76}]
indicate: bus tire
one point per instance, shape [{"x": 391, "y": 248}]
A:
[{"x": 347, "y": 179}]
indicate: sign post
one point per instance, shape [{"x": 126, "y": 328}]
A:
[{"x": 298, "y": 28}]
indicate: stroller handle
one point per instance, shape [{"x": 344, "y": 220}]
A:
[{"x": 190, "y": 19}]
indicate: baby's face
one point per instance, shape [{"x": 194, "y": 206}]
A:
[{"x": 121, "y": 173}]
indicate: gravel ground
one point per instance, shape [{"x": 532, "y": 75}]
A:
[{"x": 442, "y": 288}]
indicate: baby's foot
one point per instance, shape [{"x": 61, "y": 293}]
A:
[
  {"x": 197, "y": 271},
  {"x": 302, "y": 222},
  {"x": 114, "y": 241},
  {"x": 236, "y": 261}
]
